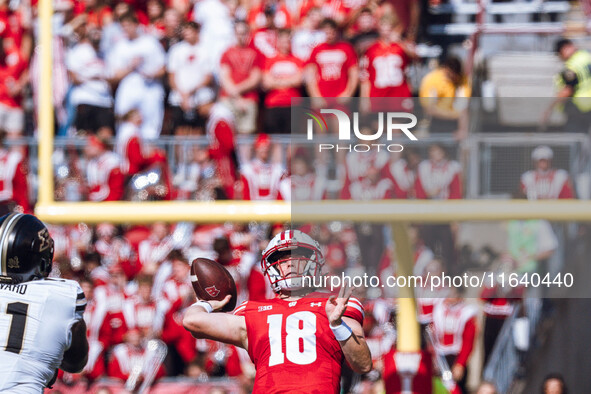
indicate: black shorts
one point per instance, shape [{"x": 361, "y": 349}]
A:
[
  {"x": 180, "y": 118},
  {"x": 91, "y": 118},
  {"x": 277, "y": 120}
]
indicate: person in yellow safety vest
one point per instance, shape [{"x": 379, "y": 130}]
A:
[{"x": 574, "y": 87}]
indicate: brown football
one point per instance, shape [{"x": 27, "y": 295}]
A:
[{"x": 211, "y": 281}]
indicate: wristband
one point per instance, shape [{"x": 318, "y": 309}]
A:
[
  {"x": 342, "y": 332},
  {"x": 205, "y": 305}
]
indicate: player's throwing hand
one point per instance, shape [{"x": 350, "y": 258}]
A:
[{"x": 336, "y": 305}]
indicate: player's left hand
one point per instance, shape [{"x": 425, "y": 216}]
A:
[{"x": 336, "y": 305}]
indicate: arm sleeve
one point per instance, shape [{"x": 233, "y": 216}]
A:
[
  {"x": 569, "y": 78},
  {"x": 355, "y": 310},
  {"x": 116, "y": 181},
  {"x": 80, "y": 304},
  {"x": 467, "y": 342},
  {"x": 21, "y": 188}
]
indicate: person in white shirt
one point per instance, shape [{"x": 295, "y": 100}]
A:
[
  {"x": 91, "y": 92},
  {"x": 189, "y": 76},
  {"x": 137, "y": 63}
]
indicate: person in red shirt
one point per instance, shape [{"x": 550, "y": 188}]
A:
[
  {"x": 545, "y": 182},
  {"x": 127, "y": 355},
  {"x": 454, "y": 328},
  {"x": 384, "y": 70},
  {"x": 257, "y": 17},
  {"x": 14, "y": 76},
  {"x": 240, "y": 75},
  {"x": 103, "y": 172},
  {"x": 282, "y": 79},
  {"x": 14, "y": 187},
  {"x": 299, "y": 340},
  {"x": 332, "y": 69}
]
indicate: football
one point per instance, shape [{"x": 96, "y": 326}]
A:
[{"x": 211, "y": 281}]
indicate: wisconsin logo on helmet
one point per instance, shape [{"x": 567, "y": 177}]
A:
[{"x": 212, "y": 291}]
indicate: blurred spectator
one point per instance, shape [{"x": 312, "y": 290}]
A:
[
  {"x": 128, "y": 356},
  {"x": 305, "y": 183},
  {"x": 217, "y": 31},
  {"x": 95, "y": 367},
  {"x": 189, "y": 75},
  {"x": 220, "y": 130},
  {"x": 403, "y": 172},
  {"x": 98, "y": 14},
  {"x": 545, "y": 182},
  {"x": 257, "y": 17},
  {"x": 240, "y": 76},
  {"x": 103, "y": 172},
  {"x": 260, "y": 177},
  {"x": 573, "y": 87},
  {"x": 438, "y": 178},
  {"x": 141, "y": 310},
  {"x": 137, "y": 64},
  {"x": 308, "y": 35},
  {"x": 282, "y": 79},
  {"x": 422, "y": 380},
  {"x": 384, "y": 70},
  {"x": 115, "y": 250},
  {"x": 554, "y": 384},
  {"x": 91, "y": 92},
  {"x": 443, "y": 94},
  {"x": 454, "y": 326},
  {"x": 14, "y": 76},
  {"x": 332, "y": 69},
  {"x": 14, "y": 186},
  {"x": 333, "y": 9},
  {"x": 531, "y": 244},
  {"x": 177, "y": 295},
  {"x": 130, "y": 147},
  {"x": 486, "y": 388},
  {"x": 110, "y": 299},
  {"x": 264, "y": 39},
  {"x": 408, "y": 13},
  {"x": 244, "y": 268},
  {"x": 154, "y": 249},
  {"x": 172, "y": 23},
  {"x": 155, "y": 13},
  {"x": 366, "y": 33},
  {"x": 15, "y": 27}
]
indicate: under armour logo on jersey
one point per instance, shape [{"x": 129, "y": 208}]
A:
[
  {"x": 212, "y": 291},
  {"x": 316, "y": 304},
  {"x": 293, "y": 303}
]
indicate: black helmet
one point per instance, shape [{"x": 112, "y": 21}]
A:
[{"x": 26, "y": 249}]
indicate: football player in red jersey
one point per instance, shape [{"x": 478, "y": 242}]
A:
[{"x": 298, "y": 340}]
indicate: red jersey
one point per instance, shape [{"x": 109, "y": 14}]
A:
[
  {"x": 281, "y": 18},
  {"x": 13, "y": 179},
  {"x": 105, "y": 179},
  {"x": 384, "y": 66},
  {"x": 10, "y": 72},
  {"x": 280, "y": 67},
  {"x": 454, "y": 327},
  {"x": 292, "y": 345},
  {"x": 261, "y": 181},
  {"x": 241, "y": 61},
  {"x": 220, "y": 131},
  {"x": 542, "y": 185},
  {"x": 403, "y": 179},
  {"x": 422, "y": 382},
  {"x": 439, "y": 181},
  {"x": 265, "y": 41},
  {"x": 332, "y": 63}
]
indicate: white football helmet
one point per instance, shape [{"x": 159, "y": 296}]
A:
[{"x": 299, "y": 250}]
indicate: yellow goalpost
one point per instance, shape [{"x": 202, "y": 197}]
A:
[{"x": 397, "y": 212}]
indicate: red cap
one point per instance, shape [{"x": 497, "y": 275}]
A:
[
  {"x": 93, "y": 140},
  {"x": 262, "y": 140}
]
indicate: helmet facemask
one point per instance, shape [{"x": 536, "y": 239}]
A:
[{"x": 286, "y": 266}]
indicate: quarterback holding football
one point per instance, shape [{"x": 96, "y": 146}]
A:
[{"x": 298, "y": 340}]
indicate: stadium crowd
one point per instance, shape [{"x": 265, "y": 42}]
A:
[{"x": 126, "y": 73}]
